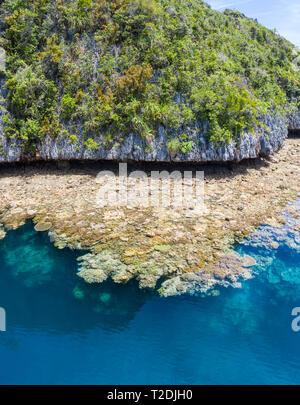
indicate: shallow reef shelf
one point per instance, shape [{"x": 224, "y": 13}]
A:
[{"x": 171, "y": 250}]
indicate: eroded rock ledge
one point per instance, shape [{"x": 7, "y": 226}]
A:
[
  {"x": 270, "y": 139},
  {"x": 266, "y": 141},
  {"x": 294, "y": 122},
  {"x": 134, "y": 148},
  {"x": 169, "y": 249}
]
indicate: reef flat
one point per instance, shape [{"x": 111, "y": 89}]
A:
[{"x": 175, "y": 250}]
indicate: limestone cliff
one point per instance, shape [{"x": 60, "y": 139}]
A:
[
  {"x": 250, "y": 145},
  {"x": 142, "y": 80}
]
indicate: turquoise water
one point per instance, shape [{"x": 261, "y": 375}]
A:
[{"x": 63, "y": 331}]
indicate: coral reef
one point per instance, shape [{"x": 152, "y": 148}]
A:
[
  {"x": 282, "y": 242},
  {"x": 172, "y": 249}
]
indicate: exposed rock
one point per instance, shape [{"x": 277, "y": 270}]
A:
[
  {"x": 43, "y": 226},
  {"x": 134, "y": 148},
  {"x": 10, "y": 151},
  {"x": 2, "y": 59},
  {"x": 294, "y": 121},
  {"x": 251, "y": 145}
]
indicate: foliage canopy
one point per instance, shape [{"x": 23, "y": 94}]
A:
[{"x": 81, "y": 67}]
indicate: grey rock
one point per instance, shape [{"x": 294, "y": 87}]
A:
[
  {"x": 10, "y": 151},
  {"x": 294, "y": 121},
  {"x": 135, "y": 148},
  {"x": 171, "y": 11},
  {"x": 264, "y": 142}
]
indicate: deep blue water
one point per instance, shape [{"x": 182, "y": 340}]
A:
[{"x": 63, "y": 331}]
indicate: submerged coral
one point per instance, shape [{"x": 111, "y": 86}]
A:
[
  {"x": 287, "y": 233},
  {"x": 283, "y": 246},
  {"x": 27, "y": 264},
  {"x": 229, "y": 270}
]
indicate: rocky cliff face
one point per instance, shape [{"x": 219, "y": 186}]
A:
[
  {"x": 250, "y": 145},
  {"x": 294, "y": 122},
  {"x": 9, "y": 151},
  {"x": 134, "y": 147}
]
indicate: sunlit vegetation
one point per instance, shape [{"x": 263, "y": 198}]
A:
[{"x": 77, "y": 68}]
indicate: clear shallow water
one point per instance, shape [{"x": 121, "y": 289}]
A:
[{"x": 63, "y": 331}]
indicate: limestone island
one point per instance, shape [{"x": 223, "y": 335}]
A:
[{"x": 160, "y": 85}]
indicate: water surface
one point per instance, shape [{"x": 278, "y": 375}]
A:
[{"x": 62, "y": 331}]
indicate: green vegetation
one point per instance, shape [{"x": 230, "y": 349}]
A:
[
  {"x": 180, "y": 143},
  {"x": 76, "y": 68}
]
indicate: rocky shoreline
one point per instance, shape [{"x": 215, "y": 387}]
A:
[
  {"x": 266, "y": 140},
  {"x": 270, "y": 139},
  {"x": 173, "y": 250}
]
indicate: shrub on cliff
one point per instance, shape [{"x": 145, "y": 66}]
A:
[{"x": 131, "y": 65}]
